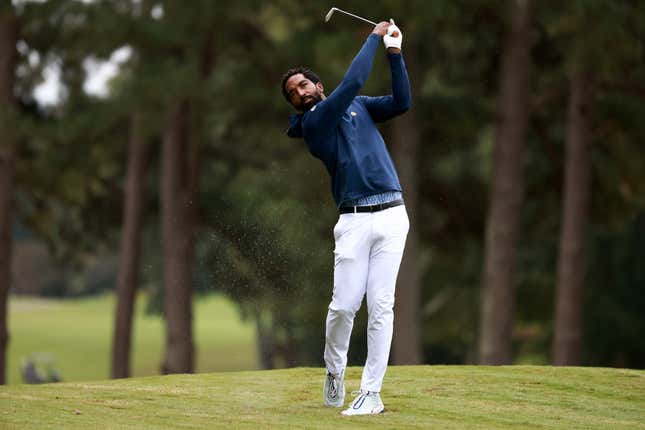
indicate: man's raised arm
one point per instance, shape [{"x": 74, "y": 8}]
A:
[
  {"x": 386, "y": 107},
  {"x": 327, "y": 114}
]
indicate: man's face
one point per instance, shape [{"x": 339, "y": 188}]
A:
[{"x": 303, "y": 93}]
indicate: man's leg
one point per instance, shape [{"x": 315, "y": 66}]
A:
[
  {"x": 351, "y": 257},
  {"x": 391, "y": 229}
]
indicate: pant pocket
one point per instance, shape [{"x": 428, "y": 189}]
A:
[{"x": 347, "y": 234}]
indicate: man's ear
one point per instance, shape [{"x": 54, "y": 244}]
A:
[{"x": 320, "y": 87}]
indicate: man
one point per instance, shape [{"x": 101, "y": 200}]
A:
[{"x": 370, "y": 234}]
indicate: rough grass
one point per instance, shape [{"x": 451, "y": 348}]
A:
[
  {"x": 419, "y": 397},
  {"x": 78, "y": 335}
]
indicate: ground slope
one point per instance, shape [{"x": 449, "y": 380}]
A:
[{"x": 423, "y": 397}]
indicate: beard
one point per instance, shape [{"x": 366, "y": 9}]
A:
[{"x": 308, "y": 102}]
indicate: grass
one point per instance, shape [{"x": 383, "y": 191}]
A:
[
  {"x": 78, "y": 335},
  {"x": 415, "y": 397}
]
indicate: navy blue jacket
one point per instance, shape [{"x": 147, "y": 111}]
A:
[{"x": 340, "y": 130}]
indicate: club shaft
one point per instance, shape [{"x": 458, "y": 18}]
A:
[{"x": 356, "y": 16}]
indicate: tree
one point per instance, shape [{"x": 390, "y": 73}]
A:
[
  {"x": 567, "y": 342},
  {"x": 8, "y": 39},
  {"x": 194, "y": 43},
  {"x": 507, "y": 187},
  {"x": 133, "y": 96},
  {"x": 70, "y": 204},
  {"x": 598, "y": 40},
  {"x": 177, "y": 218},
  {"x": 127, "y": 280}
]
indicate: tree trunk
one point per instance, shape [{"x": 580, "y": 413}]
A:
[
  {"x": 127, "y": 280},
  {"x": 7, "y": 160},
  {"x": 265, "y": 339},
  {"x": 8, "y": 39},
  {"x": 406, "y": 343},
  {"x": 507, "y": 189},
  {"x": 185, "y": 126},
  {"x": 177, "y": 220},
  {"x": 575, "y": 201}
]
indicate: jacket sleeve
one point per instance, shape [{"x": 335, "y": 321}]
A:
[
  {"x": 387, "y": 107},
  {"x": 326, "y": 115}
]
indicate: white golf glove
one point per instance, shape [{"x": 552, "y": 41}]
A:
[{"x": 389, "y": 40}]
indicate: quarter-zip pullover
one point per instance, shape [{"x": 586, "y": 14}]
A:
[{"x": 341, "y": 129}]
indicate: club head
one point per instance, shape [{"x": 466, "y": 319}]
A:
[{"x": 329, "y": 14}]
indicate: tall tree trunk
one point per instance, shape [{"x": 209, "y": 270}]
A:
[
  {"x": 8, "y": 39},
  {"x": 507, "y": 190},
  {"x": 575, "y": 201},
  {"x": 127, "y": 279},
  {"x": 406, "y": 343},
  {"x": 177, "y": 220},
  {"x": 180, "y": 175}
]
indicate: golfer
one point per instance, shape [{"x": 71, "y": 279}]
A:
[{"x": 372, "y": 227}]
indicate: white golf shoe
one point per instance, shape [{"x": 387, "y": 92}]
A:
[
  {"x": 365, "y": 403},
  {"x": 334, "y": 390}
]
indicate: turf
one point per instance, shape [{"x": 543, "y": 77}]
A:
[
  {"x": 77, "y": 334},
  {"x": 416, "y": 397}
]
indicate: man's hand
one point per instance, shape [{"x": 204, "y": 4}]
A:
[
  {"x": 381, "y": 28},
  {"x": 393, "y": 38}
]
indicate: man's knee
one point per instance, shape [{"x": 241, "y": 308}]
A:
[
  {"x": 343, "y": 310},
  {"x": 381, "y": 310}
]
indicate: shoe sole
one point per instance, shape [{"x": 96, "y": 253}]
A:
[{"x": 367, "y": 413}]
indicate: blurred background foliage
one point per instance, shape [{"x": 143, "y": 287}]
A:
[{"x": 264, "y": 210}]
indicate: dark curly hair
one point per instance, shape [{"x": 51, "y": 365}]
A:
[{"x": 294, "y": 71}]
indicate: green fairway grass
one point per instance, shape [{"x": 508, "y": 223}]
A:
[
  {"x": 415, "y": 397},
  {"x": 78, "y": 335}
]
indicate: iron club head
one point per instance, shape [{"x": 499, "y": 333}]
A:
[{"x": 335, "y": 9}]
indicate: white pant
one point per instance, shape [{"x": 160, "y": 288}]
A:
[{"x": 369, "y": 247}]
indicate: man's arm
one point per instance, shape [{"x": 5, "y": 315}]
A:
[
  {"x": 387, "y": 107},
  {"x": 326, "y": 114},
  {"x": 384, "y": 108}
]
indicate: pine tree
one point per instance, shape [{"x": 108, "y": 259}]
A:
[
  {"x": 9, "y": 27},
  {"x": 507, "y": 188}
]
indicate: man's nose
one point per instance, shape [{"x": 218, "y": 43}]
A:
[{"x": 301, "y": 92}]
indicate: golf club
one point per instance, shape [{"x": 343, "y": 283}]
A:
[{"x": 334, "y": 9}]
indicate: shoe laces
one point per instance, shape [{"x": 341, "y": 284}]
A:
[
  {"x": 333, "y": 385},
  {"x": 359, "y": 398}
]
